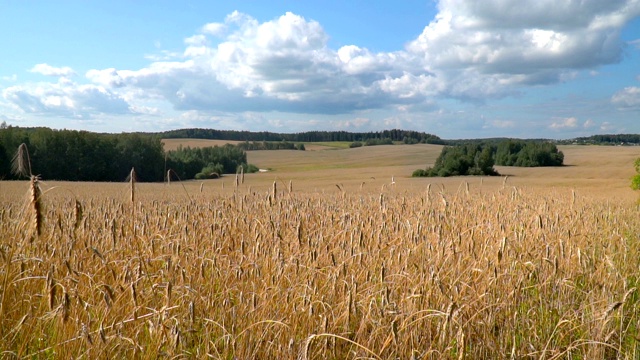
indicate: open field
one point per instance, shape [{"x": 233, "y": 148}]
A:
[
  {"x": 172, "y": 144},
  {"x": 601, "y": 170},
  {"x": 334, "y": 262}
]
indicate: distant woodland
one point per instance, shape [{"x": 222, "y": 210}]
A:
[
  {"x": 617, "y": 139},
  {"x": 479, "y": 157},
  {"x": 309, "y": 136},
  {"x": 86, "y": 156}
]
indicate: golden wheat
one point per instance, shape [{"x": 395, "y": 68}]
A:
[{"x": 510, "y": 273}]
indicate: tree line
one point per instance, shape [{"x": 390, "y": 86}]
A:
[
  {"x": 270, "y": 145},
  {"x": 407, "y": 136},
  {"x": 86, "y": 156},
  {"x": 207, "y": 162},
  {"x": 478, "y": 158},
  {"x": 607, "y": 139}
]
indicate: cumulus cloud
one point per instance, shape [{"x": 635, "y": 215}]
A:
[
  {"x": 472, "y": 50},
  {"x": 282, "y": 65},
  {"x": 106, "y": 77},
  {"x": 65, "y": 99},
  {"x": 49, "y": 70},
  {"x": 628, "y": 98},
  {"x": 566, "y": 123},
  {"x": 215, "y": 29},
  {"x": 506, "y": 42}
]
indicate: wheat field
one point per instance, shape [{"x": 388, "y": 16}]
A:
[{"x": 293, "y": 264}]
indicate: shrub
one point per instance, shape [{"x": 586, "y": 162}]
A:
[
  {"x": 373, "y": 142},
  {"x": 420, "y": 173},
  {"x": 211, "y": 171},
  {"x": 250, "y": 168}
]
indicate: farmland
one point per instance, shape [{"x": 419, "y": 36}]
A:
[{"x": 324, "y": 256}]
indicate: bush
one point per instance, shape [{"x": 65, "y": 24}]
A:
[
  {"x": 355, "y": 144},
  {"x": 420, "y": 173},
  {"x": 250, "y": 168},
  {"x": 211, "y": 171},
  {"x": 462, "y": 160},
  {"x": 373, "y": 142},
  {"x": 409, "y": 141}
]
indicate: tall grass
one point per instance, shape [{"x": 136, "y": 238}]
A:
[{"x": 511, "y": 273}]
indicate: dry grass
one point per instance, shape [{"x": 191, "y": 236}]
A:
[{"x": 421, "y": 269}]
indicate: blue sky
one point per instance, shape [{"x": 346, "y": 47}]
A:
[{"x": 454, "y": 68}]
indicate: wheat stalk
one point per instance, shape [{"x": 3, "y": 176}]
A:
[
  {"x": 21, "y": 166},
  {"x": 36, "y": 204},
  {"x": 21, "y": 162},
  {"x": 132, "y": 181},
  {"x": 275, "y": 190}
]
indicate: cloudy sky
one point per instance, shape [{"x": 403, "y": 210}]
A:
[{"x": 454, "y": 68}]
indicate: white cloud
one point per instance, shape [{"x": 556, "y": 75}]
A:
[
  {"x": 196, "y": 40},
  {"x": 606, "y": 126},
  {"x": 356, "y": 124},
  {"x": 65, "y": 99},
  {"x": 145, "y": 110},
  {"x": 628, "y": 98},
  {"x": 106, "y": 77},
  {"x": 283, "y": 64},
  {"x": 508, "y": 42},
  {"x": 589, "y": 124},
  {"x": 215, "y": 29},
  {"x": 164, "y": 55},
  {"x": 10, "y": 119},
  {"x": 472, "y": 50},
  {"x": 566, "y": 123},
  {"x": 12, "y": 78},
  {"x": 49, "y": 70}
]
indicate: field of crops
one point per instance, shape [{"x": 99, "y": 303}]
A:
[{"x": 345, "y": 267}]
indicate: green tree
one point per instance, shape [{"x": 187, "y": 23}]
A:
[
  {"x": 144, "y": 153},
  {"x": 469, "y": 159},
  {"x": 528, "y": 154},
  {"x": 5, "y": 163}
]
